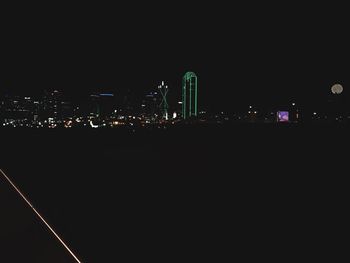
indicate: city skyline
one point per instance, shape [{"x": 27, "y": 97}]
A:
[
  {"x": 227, "y": 103},
  {"x": 105, "y": 109},
  {"x": 209, "y": 100},
  {"x": 243, "y": 55},
  {"x": 170, "y": 128}
]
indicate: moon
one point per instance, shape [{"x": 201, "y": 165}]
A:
[{"x": 337, "y": 89}]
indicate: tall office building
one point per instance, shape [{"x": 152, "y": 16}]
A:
[
  {"x": 189, "y": 95},
  {"x": 51, "y": 107},
  {"x": 102, "y": 105},
  {"x": 164, "y": 106},
  {"x": 150, "y": 104}
]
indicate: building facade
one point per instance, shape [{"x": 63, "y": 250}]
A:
[{"x": 189, "y": 95}]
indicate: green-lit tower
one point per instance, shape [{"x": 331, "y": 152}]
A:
[{"x": 189, "y": 95}]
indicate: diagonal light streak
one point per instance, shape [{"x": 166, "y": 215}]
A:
[{"x": 40, "y": 216}]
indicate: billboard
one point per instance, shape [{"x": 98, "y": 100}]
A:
[{"x": 282, "y": 116}]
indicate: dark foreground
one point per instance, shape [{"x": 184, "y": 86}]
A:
[{"x": 187, "y": 194}]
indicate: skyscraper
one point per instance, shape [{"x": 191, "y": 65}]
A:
[
  {"x": 189, "y": 95},
  {"x": 102, "y": 105},
  {"x": 164, "y": 106}
]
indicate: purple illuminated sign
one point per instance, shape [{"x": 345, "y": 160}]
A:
[{"x": 283, "y": 116}]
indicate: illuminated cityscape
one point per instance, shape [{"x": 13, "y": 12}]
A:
[
  {"x": 108, "y": 110},
  {"x": 164, "y": 131}
]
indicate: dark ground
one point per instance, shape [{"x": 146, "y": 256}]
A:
[{"x": 186, "y": 194}]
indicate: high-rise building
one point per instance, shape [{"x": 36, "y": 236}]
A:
[
  {"x": 164, "y": 106},
  {"x": 17, "y": 110},
  {"x": 102, "y": 105},
  {"x": 15, "y": 107},
  {"x": 51, "y": 105},
  {"x": 189, "y": 95},
  {"x": 126, "y": 102},
  {"x": 150, "y": 104}
]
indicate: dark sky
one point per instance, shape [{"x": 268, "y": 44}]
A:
[{"x": 242, "y": 53}]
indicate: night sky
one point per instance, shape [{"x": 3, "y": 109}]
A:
[{"x": 252, "y": 53}]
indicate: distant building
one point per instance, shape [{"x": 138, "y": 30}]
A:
[
  {"x": 164, "y": 106},
  {"x": 149, "y": 106},
  {"x": 51, "y": 106},
  {"x": 16, "y": 108},
  {"x": 102, "y": 105},
  {"x": 189, "y": 95},
  {"x": 126, "y": 102}
]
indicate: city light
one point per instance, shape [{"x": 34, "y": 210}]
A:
[
  {"x": 98, "y": 110},
  {"x": 93, "y": 125},
  {"x": 283, "y": 116}
]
